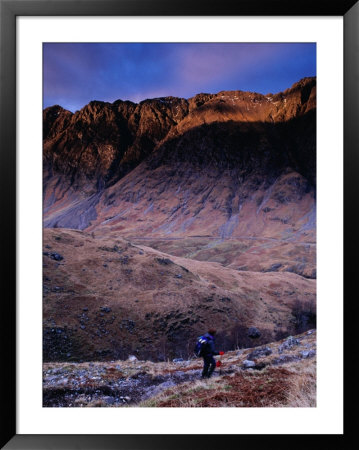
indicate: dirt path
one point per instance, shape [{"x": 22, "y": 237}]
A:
[{"x": 218, "y": 238}]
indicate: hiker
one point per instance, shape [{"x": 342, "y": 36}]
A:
[{"x": 208, "y": 351}]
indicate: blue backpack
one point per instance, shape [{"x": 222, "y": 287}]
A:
[{"x": 201, "y": 344}]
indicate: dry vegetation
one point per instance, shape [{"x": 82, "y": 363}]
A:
[
  {"x": 283, "y": 376},
  {"x": 273, "y": 387},
  {"x": 291, "y": 384}
]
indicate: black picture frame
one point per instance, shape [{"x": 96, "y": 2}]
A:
[{"x": 9, "y": 10}]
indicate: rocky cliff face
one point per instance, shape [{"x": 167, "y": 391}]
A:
[
  {"x": 225, "y": 165},
  {"x": 102, "y": 142}
]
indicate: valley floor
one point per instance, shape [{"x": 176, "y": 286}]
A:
[{"x": 279, "y": 374}]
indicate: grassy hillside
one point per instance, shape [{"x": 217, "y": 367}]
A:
[{"x": 106, "y": 298}]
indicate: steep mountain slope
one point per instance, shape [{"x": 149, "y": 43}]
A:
[{"x": 225, "y": 165}]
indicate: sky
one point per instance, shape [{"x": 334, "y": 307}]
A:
[{"x": 76, "y": 73}]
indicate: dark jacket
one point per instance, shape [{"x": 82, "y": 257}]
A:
[{"x": 209, "y": 349}]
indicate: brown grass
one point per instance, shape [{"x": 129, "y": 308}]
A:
[
  {"x": 292, "y": 386},
  {"x": 240, "y": 390},
  {"x": 303, "y": 386}
]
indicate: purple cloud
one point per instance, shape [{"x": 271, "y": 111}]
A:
[{"x": 75, "y": 74}]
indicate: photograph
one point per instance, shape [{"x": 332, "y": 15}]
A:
[
  {"x": 179, "y": 257},
  {"x": 179, "y": 180}
]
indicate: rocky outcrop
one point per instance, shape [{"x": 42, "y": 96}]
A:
[{"x": 103, "y": 141}]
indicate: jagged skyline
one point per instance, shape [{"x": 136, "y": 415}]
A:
[{"x": 76, "y": 73}]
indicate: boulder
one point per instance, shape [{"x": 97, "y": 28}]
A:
[
  {"x": 56, "y": 257},
  {"x": 288, "y": 343},
  {"x": 109, "y": 400},
  {"x": 259, "y": 352},
  {"x": 253, "y": 332},
  {"x": 285, "y": 359},
  {"x": 248, "y": 364},
  {"x": 308, "y": 353},
  {"x": 164, "y": 261}
]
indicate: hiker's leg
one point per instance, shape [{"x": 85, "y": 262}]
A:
[
  {"x": 212, "y": 366},
  {"x": 206, "y": 364}
]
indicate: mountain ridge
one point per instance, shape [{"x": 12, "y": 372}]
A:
[
  {"x": 127, "y": 132},
  {"x": 93, "y": 149}
]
